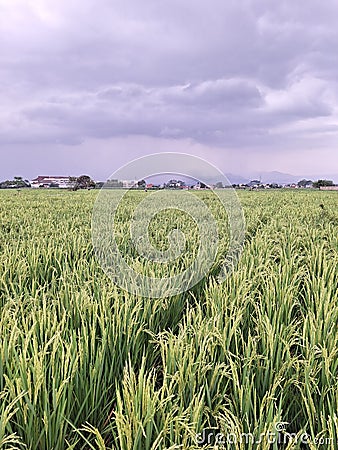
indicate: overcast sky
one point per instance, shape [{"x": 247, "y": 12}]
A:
[{"x": 87, "y": 85}]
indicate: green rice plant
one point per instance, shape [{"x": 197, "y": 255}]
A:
[{"x": 86, "y": 365}]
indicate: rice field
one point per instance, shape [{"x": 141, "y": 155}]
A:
[{"x": 87, "y": 365}]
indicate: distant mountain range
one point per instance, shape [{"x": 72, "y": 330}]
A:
[
  {"x": 276, "y": 177},
  {"x": 279, "y": 177},
  {"x": 236, "y": 179}
]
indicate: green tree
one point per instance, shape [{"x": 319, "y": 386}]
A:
[
  {"x": 84, "y": 182},
  {"x": 141, "y": 184},
  {"x": 322, "y": 183},
  {"x": 303, "y": 183}
]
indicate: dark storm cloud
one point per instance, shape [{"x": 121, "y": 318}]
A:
[{"x": 237, "y": 74}]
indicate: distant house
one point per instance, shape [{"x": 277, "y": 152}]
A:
[
  {"x": 48, "y": 181},
  {"x": 273, "y": 186},
  {"x": 200, "y": 185},
  {"x": 175, "y": 184}
]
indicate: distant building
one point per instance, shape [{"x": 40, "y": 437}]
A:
[
  {"x": 175, "y": 184},
  {"x": 120, "y": 184},
  {"x": 273, "y": 186},
  {"x": 127, "y": 184},
  {"x": 47, "y": 181},
  {"x": 200, "y": 185},
  {"x": 329, "y": 188}
]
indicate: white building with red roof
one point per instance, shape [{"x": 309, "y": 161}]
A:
[{"x": 47, "y": 181}]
